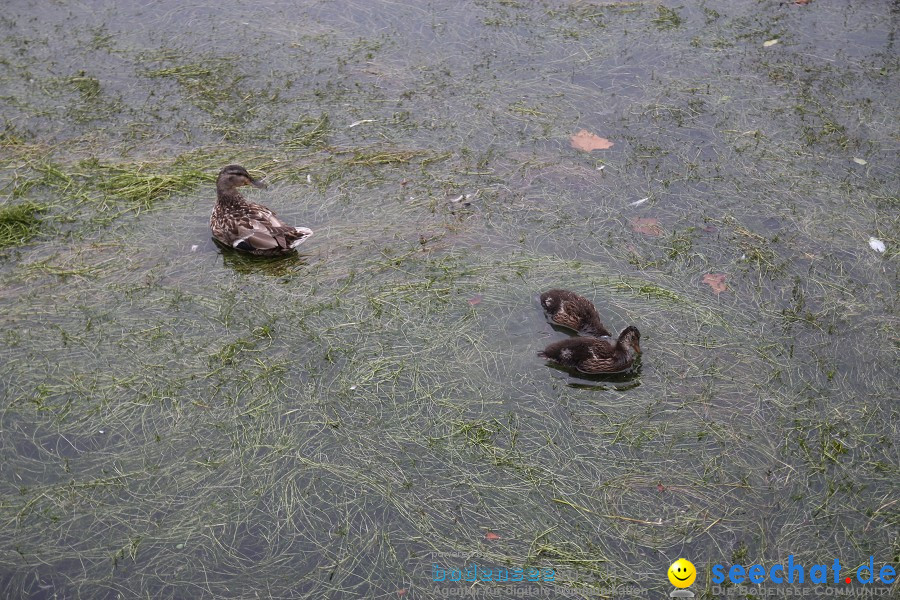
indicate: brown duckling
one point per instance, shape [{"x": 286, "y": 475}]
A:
[
  {"x": 247, "y": 226},
  {"x": 593, "y": 355},
  {"x": 568, "y": 309}
]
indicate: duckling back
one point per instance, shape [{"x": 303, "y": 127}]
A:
[
  {"x": 593, "y": 355},
  {"x": 572, "y": 311}
]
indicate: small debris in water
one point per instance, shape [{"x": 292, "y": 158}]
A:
[
  {"x": 647, "y": 226},
  {"x": 716, "y": 281},
  {"x": 461, "y": 198},
  {"x": 587, "y": 141},
  {"x": 768, "y": 43},
  {"x": 710, "y": 229},
  {"x": 639, "y": 202},
  {"x": 490, "y": 535},
  {"x": 308, "y": 178},
  {"x": 194, "y": 247},
  {"x": 475, "y": 300},
  {"x": 860, "y": 161},
  {"x": 355, "y": 123},
  {"x": 877, "y": 245}
]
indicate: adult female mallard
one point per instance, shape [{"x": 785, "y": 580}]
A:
[
  {"x": 247, "y": 226},
  {"x": 596, "y": 355},
  {"x": 568, "y": 309}
]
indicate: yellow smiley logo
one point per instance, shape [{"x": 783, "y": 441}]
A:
[{"x": 682, "y": 573}]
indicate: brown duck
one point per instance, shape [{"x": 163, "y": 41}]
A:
[
  {"x": 596, "y": 355},
  {"x": 247, "y": 226},
  {"x": 568, "y": 309}
]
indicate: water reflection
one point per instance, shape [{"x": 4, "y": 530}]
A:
[
  {"x": 273, "y": 266},
  {"x": 621, "y": 381}
]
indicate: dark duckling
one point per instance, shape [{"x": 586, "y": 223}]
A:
[
  {"x": 247, "y": 226},
  {"x": 568, "y": 309},
  {"x": 593, "y": 355}
]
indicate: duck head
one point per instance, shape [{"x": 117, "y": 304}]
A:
[
  {"x": 234, "y": 176},
  {"x": 630, "y": 339},
  {"x": 550, "y": 302}
]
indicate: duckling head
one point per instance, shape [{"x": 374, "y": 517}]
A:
[
  {"x": 630, "y": 338},
  {"x": 234, "y": 176},
  {"x": 550, "y": 301}
]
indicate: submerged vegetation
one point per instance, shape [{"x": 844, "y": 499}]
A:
[
  {"x": 180, "y": 420},
  {"x": 19, "y": 223},
  {"x": 133, "y": 184}
]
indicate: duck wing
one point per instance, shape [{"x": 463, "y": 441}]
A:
[
  {"x": 602, "y": 347},
  {"x": 257, "y": 236},
  {"x": 254, "y": 228},
  {"x": 603, "y": 357}
]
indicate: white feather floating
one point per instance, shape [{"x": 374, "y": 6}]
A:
[{"x": 877, "y": 245}]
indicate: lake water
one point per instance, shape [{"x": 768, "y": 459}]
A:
[{"x": 179, "y": 421}]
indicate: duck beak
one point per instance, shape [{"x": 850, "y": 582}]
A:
[{"x": 259, "y": 184}]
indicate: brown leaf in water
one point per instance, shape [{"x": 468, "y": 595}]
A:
[
  {"x": 647, "y": 226},
  {"x": 802, "y": 2},
  {"x": 716, "y": 281},
  {"x": 491, "y": 536},
  {"x": 475, "y": 300},
  {"x": 587, "y": 141},
  {"x": 660, "y": 488}
]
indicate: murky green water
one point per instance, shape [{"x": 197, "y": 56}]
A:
[{"x": 181, "y": 423}]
